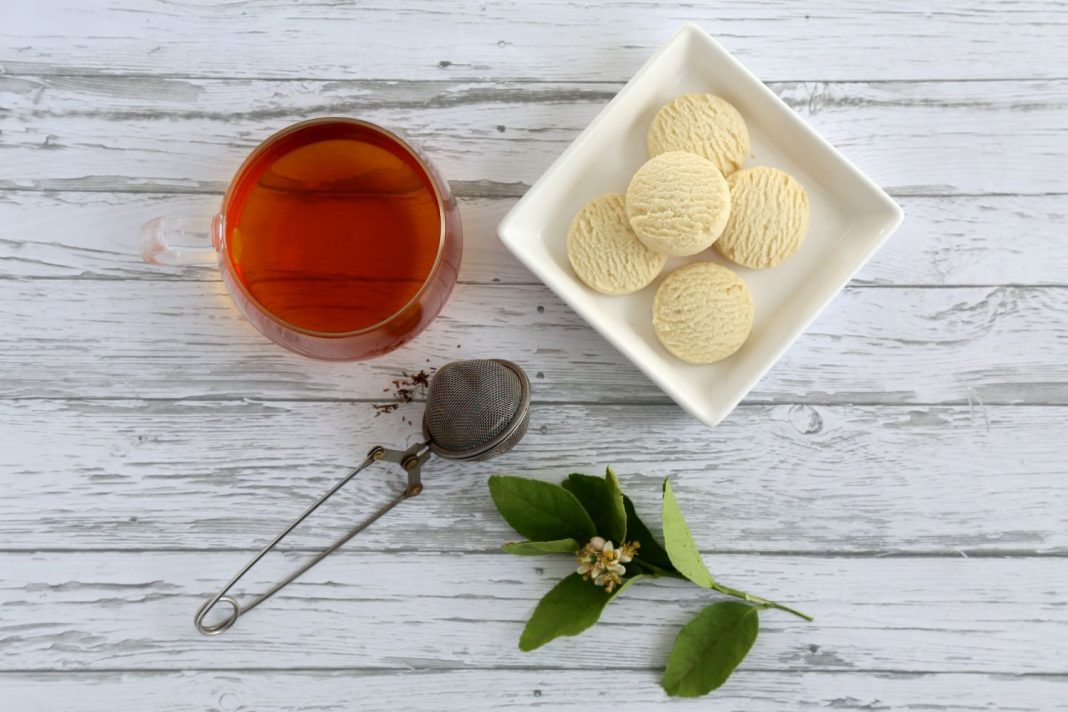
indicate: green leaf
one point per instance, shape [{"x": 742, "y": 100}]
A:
[
  {"x": 538, "y": 548},
  {"x": 603, "y": 501},
  {"x": 709, "y": 647},
  {"x": 540, "y": 511},
  {"x": 589, "y": 491},
  {"x": 615, "y": 512},
  {"x": 572, "y": 606},
  {"x": 650, "y": 552},
  {"x": 680, "y": 546}
]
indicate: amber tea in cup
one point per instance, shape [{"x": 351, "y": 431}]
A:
[{"x": 336, "y": 238}]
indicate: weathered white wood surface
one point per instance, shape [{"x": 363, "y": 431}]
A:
[
  {"x": 140, "y": 339},
  {"x": 442, "y": 611},
  {"x": 901, "y": 473},
  {"x": 533, "y": 40},
  {"x": 104, "y": 133},
  {"x": 940, "y": 480},
  {"x": 92, "y": 235},
  {"x": 569, "y": 690}
]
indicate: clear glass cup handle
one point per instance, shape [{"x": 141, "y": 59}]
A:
[{"x": 182, "y": 240}]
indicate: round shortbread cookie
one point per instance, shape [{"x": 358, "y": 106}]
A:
[
  {"x": 678, "y": 203},
  {"x": 702, "y": 312},
  {"x": 701, "y": 124},
  {"x": 768, "y": 220},
  {"x": 604, "y": 251}
]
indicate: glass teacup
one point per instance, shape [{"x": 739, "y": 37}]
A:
[{"x": 336, "y": 239}]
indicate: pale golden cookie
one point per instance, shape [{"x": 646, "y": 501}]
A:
[
  {"x": 769, "y": 218},
  {"x": 702, "y": 312},
  {"x": 678, "y": 203},
  {"x": 604, "y": 251},
  {"x": 701, "y": 124}
]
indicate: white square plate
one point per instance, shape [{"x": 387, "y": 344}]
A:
[{"x": 850, "y": 218}]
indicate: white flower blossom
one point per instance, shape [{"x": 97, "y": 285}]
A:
[
  {"x": 628, "y": 550},
  {"x": 602, "y": 562},
  {"x": 611, "y": 578}
]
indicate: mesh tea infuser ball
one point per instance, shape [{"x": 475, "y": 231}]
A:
[{"x": 475, "y": 410}]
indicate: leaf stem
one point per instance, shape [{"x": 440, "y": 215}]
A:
[{"x": 762, "y": 602}]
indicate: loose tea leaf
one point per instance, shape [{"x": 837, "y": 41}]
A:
[
  {"x": 709, "y": 648},
  {"x": 540, "y": 511},
  {"x": 572, "y": 606},
  {"x": 603, "y": 501},
  {"x": 405, "y": 390},
  {"x": 540, "y": 548},
  {"x": 679, "y": 543}
]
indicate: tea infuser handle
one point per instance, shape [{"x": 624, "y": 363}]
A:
[
  {"x": 411, "y": 460},
  {"x": 182, "y": 240}
]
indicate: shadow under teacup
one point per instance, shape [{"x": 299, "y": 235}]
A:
[{"x": 336, "y": 239}]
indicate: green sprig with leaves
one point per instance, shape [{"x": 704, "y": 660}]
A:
[{"x": 590, "y": 518}]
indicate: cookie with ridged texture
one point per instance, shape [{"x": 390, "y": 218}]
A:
[
  {"x": 702, "y": 312},
  {"x": 703, "y": 124},
  {"x": 768, "y": 220},
  {"x": 678, "y": 203},
  {"x": 604, "y": 251}
]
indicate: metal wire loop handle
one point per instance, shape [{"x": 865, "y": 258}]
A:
[{"x": 411, "y": 460}]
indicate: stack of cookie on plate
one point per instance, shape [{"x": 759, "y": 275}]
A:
[{"x": 692, "y": 194}]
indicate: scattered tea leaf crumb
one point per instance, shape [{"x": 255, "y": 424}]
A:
[{"x": 405, "y": 390}]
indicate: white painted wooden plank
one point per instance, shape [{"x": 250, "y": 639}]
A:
[
  {"x": 549, "y": 39},
  {"x": 95, "y": 235},
  {"x": 950, "y": 240},
  {"x": 568, "y": 690},
  {"x": 129, "y": 339},
  {"x": 983, "y": 240},
  {"x": 810, "y": 478},
  {"x": 210, "y": 474},
  {"x": 173, "y": 134},
  {"x": 433, "y": 611}
]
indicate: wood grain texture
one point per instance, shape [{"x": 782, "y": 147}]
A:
[
  {"x": 568, "y": 690},
  {"x": 900, "y": 474},
  {"x": 37, "y": 238},
  {"x": 103, "y": 133},
  {"x": 546, "y": 39},
  {"x": 139, "y": 339},
  {"x": 228, "y": 474},
  {"x": 433, "y": 611},
  {"x": 946, "y": 240}
]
